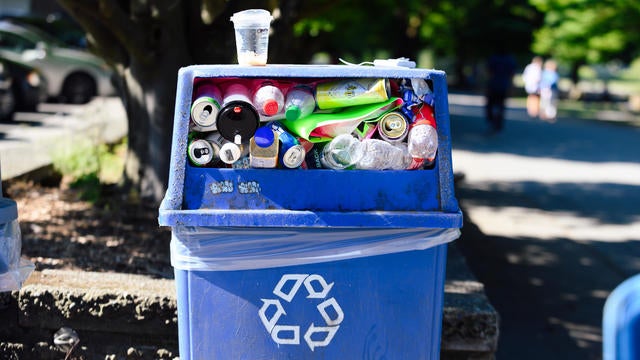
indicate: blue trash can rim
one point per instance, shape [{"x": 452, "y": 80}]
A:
[
  {"x": 621, "y": 308},
  {"x": 171, "y": 212}
]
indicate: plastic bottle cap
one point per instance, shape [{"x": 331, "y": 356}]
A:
[
  {"x": 293, "y": 112},
  {"x": 270, "y": 107},
  {"x": 264, "y": 137}
]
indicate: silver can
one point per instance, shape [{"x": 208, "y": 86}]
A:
[{"x": 393, "y": 127}]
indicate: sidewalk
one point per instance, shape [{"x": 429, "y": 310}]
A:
[
  {"x": 27, "y": 143},
  {"x": 554, "y": 223}
]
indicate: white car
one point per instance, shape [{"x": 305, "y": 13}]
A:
[{"x": 73, "y": 75}]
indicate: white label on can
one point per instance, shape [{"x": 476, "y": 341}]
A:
[{"x": 286, "y": 289}]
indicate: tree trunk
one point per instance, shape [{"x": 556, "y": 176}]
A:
[
  {"x": 146, "y": 42},
  {"x": 149, "y": 102}
]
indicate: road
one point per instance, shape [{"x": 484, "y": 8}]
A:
[{"x": 552, "y": 223}]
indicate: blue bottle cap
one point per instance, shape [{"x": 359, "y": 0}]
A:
[{"x": 264, "y": 136}]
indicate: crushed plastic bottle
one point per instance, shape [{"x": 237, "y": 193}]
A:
[
  {"x": 381, "y": 155},
  {"x": 423, "y": 141},
  {"x": 342, "y": 152}
]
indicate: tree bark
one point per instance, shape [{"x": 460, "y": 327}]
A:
[{"x": 145, "y": 43}]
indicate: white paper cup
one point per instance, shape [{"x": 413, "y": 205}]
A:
[{"x": 252, "y": 36}]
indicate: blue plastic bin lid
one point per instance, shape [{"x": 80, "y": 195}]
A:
[
  {"x": 621, "y": 322},
  {"x": 8, "y": 210}
]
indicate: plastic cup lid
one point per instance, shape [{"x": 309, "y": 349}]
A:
[
  {"x": 292, "y": 112},
  {"x": 8, "y": 210},
  {"x": 252, "y": 17},
  {"x": 264, "y": 137},
  {"x": 238, "y": 118}
]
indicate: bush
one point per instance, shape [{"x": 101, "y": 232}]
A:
[{"x": 87, "y": 166}]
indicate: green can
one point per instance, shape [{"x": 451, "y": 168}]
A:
[{"x": 350, "y": 92}]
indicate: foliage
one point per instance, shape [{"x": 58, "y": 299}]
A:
[
  {"x": 87, "y": 165},
  {"x": 358, "y": 30},
  {"x": 588, "y": 31}
]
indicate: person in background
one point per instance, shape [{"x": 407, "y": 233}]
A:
[
  {"x": 549, "y": 91},
  {"x": 531, "y": 78},
  {"x": 501, "y": 68}
]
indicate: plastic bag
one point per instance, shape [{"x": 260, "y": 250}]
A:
[
  {"x": 14, "y": 270},
  {"x": 203, "y": 248}
]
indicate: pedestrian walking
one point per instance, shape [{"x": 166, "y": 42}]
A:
[
  {"x": 549, "y": 91},
  {"x": 501, "y": 67},
  {"x": 531, "y": 78}
]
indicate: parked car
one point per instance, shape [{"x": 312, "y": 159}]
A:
[
  {"x": 56, "y": 25},
  {"x": 22, "y": 88},
  {"x": 73, "y": 75},
  {"x": 7, "y": 100}
]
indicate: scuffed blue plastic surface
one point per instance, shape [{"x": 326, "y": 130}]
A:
[
  {"x": 379, "y": 307},
  {"x": 621, "y": 322},
  {"x": 269, "y": 198}
]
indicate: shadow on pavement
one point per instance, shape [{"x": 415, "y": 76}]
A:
[
  {"x": 549, "y": 294},
  {"x": 534, "y": 138}
]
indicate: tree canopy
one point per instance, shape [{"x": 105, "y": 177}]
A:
[
  {"x": 147, "y": 41},
  {"x": 588, "y": 31}
]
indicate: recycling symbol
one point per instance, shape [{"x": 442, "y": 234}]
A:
[{"x": 272, "y": 311}]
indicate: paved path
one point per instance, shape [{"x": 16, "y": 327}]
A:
[
  {"x": 30, "y": 141},
  {"x": 554, "y": 213}
]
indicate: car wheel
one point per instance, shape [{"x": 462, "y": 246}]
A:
[{"x": 78, "y": 89}]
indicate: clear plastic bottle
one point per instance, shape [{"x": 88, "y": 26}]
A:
[
  {"x": 423, "y": 141},
  {"x": 268, "y": 99},
  {"x": 299, "y": 103},
  {"x": 381, "y": 155},
  {"x": 342, "y": 152}
]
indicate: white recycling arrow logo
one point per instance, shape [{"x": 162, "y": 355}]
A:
[{"x": 286, "y": 289}]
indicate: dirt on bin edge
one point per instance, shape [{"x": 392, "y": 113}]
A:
[{"x": 62, "y": 231}]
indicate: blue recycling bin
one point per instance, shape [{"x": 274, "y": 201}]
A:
[
  {"x": 621, "y": 322},
  {"x": 309, "y": 264}
]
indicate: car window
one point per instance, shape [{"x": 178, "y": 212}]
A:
[{"x": 15, "y": 43}]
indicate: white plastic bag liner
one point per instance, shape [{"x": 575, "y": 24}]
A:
[
  {"x": 202, "y": 248},
  {"x": 13, "y": 269}
]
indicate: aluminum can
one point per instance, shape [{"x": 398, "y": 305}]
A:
[
  {"x": 231, "y": 152},
  {"x": 349, "y": 92},
  {"x": 205, "y": 107},
  {"x": 393, "y": 127},
  {"x": 202, "y": 152},
  {"x": 292, "y": 154}
]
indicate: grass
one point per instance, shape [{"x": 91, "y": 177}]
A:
[{"x": 87, "y": 166}]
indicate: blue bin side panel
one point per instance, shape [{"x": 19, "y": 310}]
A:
[
  {"x": 381, "y": 307},
  {"x": 314, "y": 190}
]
